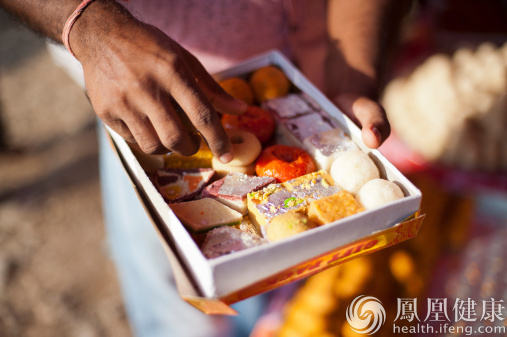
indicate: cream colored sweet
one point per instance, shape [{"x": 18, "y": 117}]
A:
[
  {"x": 378, "y": 192},
  {"x": 246, "y": 147},
  {"x": 352, "y": 169},
  {"x": 288, "y": 224},
  {"x": 204, "y": 214},
  {"x": 221, "y": 169}
]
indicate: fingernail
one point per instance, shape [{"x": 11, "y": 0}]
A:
[
  {"x": 241, "y": 104},
  {"x": 226, "y": 157},
  {"x": 377, "y": 133}
]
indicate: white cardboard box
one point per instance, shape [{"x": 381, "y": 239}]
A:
[{"x": 230, "y": 278}]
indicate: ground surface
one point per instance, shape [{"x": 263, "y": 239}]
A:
[{"x": 56, "y": 278}]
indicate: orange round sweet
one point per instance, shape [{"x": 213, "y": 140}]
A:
[
  {"x": 238, "y": 88},
  {"x": 284, "y": 163},
  {"x": 268, "y": 83},
  {"x": 255, "y": 120}
]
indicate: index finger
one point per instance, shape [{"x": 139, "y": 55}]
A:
[
  {"x": 200, "y": 111},
  {"x": 219, "y": 98}
]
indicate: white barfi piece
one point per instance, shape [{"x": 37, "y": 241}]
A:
[
  {"x": 233, "y": 188},
  {"x": 204, "y": 214},
  {"x": 306, "y": 126},
  {"x": 225, "y": 240},
  {"x": 325, "y": 146},
  {"x": 289, "y": 106}
]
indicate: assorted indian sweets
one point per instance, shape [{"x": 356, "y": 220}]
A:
[
  {"x": 408, "y": 270},
  {"x": 293, "y": 170}
]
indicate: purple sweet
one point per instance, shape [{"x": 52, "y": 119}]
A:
[{"x": 291, "y": 196}]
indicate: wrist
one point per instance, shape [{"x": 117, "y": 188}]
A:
[
  {"x": 70, "y": 22},
  {"x": 348, "y": 79},
  {"x": 96, "y": 22}
]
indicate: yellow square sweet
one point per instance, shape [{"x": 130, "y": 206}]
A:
[
  {"x": 201, "y": 159},
  {"x": 333, "y": 207}
]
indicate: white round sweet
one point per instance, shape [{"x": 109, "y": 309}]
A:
[
  {"x": 352, "y": 169},
  {"x": 378, "y": 192},
  {"x": 246, "y": 147}
]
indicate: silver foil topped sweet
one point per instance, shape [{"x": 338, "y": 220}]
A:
[
  {"x": 225, "y": 240},
  {"x": 240, "y": 184}
]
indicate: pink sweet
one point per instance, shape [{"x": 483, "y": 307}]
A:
[{"x": 233, "y": 189}]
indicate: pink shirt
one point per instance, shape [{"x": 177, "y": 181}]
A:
[{"x": 221, "y": 33}]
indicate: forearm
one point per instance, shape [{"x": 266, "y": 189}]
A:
[
  {"x": 133, "y": 72},
  {"x": 48, "y": 18},
  {"x": 362, "y": 33},
  {"x": 45, "y": 17}
]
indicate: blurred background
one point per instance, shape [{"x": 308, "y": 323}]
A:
[
  {"x": 446, "y": 99},
  {"x": 55, "y": 275}
]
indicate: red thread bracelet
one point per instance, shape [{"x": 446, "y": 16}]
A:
[{"x": 70, "y": 23}]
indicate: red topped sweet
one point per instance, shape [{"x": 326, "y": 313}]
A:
[
  {"x": 255, "y": 119},
  {"x": 284, "y": 163}
]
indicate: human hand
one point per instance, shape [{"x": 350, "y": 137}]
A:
[
  {"x": 133, "y": 72},
  {"x": 368, "y": 114},
  {"x": 362, "y": 35}
]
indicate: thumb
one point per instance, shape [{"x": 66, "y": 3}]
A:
[{"x": 367, "y": 114}]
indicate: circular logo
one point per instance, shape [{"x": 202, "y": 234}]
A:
[{"x": 366, "y": 315}]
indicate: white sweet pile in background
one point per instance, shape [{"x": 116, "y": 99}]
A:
[{"x": 453, "y": 109}]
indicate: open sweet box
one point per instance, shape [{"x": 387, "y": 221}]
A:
[{"x": 212, "y": 285}]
